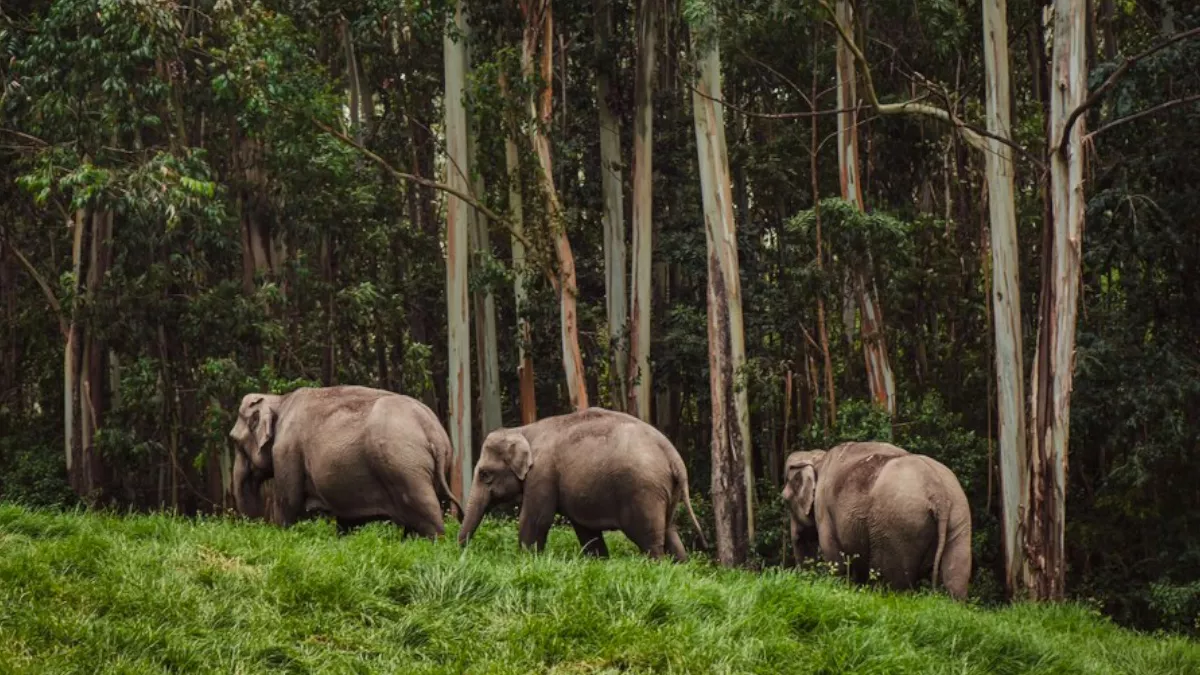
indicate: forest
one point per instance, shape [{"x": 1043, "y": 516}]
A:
[{"x": 763, "y": 226}]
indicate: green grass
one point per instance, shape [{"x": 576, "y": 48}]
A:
[{"x": 86, "y": 593}]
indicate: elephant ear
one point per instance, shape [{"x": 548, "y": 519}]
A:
[
  {"x": 260, "y": 413},
  {"x": 519, "y": 456},
  {"x": 803, "y": 484}
]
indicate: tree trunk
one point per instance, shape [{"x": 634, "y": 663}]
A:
[
  {"x": 539, "y": 26},
  {"x": 517, "y": 216},
  {"x": 1050, "y": 391},
  {"x": 484, "y": 300},
  {"x": 860, "y": 287},
  {"x": 1006, "y": 292},
  {"x": 71, "y": 357},
  {"x": 643, "y": 228},
  {"x": 732, "y": 487},
  {"x": 613, "y": 216},
  {"x": 822, "y": 329},
  {"x": 458, "y": 328}
]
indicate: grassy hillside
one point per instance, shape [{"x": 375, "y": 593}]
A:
[{"x": 149, "y": 594}]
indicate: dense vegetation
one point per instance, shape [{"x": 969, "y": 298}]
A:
[
  {"x": 173, "y": 207},
  {"x": 99, "y": 594}
]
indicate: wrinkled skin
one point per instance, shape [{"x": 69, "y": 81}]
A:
[
  {"x": 602, "y": 470},
  {"x": 356, "y": 453},
  {"x": 901, "y": 514}
]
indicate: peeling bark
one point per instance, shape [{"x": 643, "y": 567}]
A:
[
  {"x": 732, "y": 480},
  {"x": 457, "y": 251},
  {"x": 643, "y": 227},
  {"x": 1054, "y": 360},
  {"x": 1005, "y": 286},
  {"x": 539, "y": 27},
  {"x": 613, "y": 217},
  {"x": 484, "y": 300},
  {"x": 517, "y": 217},
  {"x": 859, "y": 290}
]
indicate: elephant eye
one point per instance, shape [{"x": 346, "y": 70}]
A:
[{"x": 485, "y": 476}]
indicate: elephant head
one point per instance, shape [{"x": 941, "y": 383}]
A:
[
  {"x": 254, "y": 433},
  {"x": 800, "y": 488},
  {"x": 504, "y": 461}
]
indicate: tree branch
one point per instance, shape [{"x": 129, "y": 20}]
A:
[
  {"x": 972, "y": 134},
  {"x": 441, "y": 187},
  {"x": 1112, "y": 79},
  {"x": 1145, "y": 113},
  {"x": 766, "y": 116},
  {"x": 41, "y": 281}
]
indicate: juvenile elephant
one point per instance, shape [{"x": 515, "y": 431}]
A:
[
  {"x": 357, "y": 453},
  {"x": 602, "y": 470},
  {"x": 901, "y": 514}
]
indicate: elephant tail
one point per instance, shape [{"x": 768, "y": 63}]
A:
[
  {"x": 439, "y": 469},
  {"x": 687, "y": 500},
  {"x": 941, "y": 512}
]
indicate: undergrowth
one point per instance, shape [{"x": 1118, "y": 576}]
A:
[{"x": 94, "y": 593}]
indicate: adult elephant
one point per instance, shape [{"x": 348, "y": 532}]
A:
[
  {"x": 602, "y": 470},
  {"x": 357, "y": 453},
  {"x": 901, "y": 514}
]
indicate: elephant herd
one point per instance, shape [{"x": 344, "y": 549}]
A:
[{"x": 361, "y": 454}]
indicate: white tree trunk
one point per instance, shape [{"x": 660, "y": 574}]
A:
[
  {"x": 1006, "y": 292},
  {"x": 1054, "y": 360},
  {"x": 731, "y": 474},
  {"x": 516, "y": 215},
  {"x": 613, "y": 216},
  {"x": 860, "y": 289},
  {"x": 484, "y": 300},
  {"x": 643, "y": 227},
  {"x": 572, "y": 358},
  {"x": 457, "y": 252}
]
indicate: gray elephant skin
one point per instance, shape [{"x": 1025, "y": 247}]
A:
[
  {"x": 601, "y": 469},
  {"x": 357, "y": 453},
  {"x": 904, "y": 515}
]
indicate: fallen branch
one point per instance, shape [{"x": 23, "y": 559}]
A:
[{"x": 1111, "y": 81}]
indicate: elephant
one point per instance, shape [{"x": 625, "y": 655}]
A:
[
  {"x": 601, "y": 469},
  {"x": 356, "y": 453},
  {"x": 902, "y": 514}
]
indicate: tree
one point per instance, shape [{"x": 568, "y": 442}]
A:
[
  {"x": 1006, "y": 292},
  {"x": 732, "y": 477},
  {"x": 484, "y": 300},
  {"x": 643, "y": 227},
  {"x": 1054, "y": 356},
  {"x": 613, "y": 216},
  {"x": 516, "y": 214},
  {"x": 859, "y": 287},
  {"x": 459, "y": 350},
  {"x": 539, "y": 27}
]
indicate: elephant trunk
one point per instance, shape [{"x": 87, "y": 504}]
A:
[
  {"x": 247, "y": 489},
  {"x": 476, "y": 506}
]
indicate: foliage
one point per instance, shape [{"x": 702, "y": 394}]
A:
[{"x": 196, "y": 124}]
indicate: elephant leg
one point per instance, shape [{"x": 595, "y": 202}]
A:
[
  {"x": 648, "y": 530},
  {"x": 898, "y": 562},
  {"x": 538, "y": 506},
  {"x": 345, "y": 527},
  {"x": 675, "y": 545},
  {"x": 592, "y": 541},
  {"x": 956, "y": 567},
  {"x": 288, "y": 491},
  {"x": 424, "y": 514}
]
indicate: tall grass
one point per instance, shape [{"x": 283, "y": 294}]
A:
[{"x": 87, "y": 593}]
